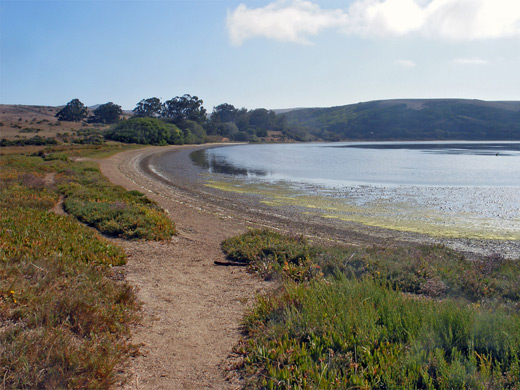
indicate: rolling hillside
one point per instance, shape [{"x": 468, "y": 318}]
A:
[{"x": 414, "y": 119}]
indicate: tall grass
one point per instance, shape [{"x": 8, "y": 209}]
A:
[{"x": 393, "y": 318}]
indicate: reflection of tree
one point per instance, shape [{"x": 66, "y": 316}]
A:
[{"x": 217, "y": 164}]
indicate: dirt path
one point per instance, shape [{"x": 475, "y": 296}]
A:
[{"x": 191, "y": 308}]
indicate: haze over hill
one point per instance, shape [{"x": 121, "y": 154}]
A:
[{"x": 413, "y": 119}]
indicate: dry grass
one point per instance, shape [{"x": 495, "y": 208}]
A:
[{"x": 64, "y": 316}]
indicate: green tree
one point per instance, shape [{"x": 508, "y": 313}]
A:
[
  {"x": 150, "y": 107},
  {"x": 182, "y": 108},
  {"x": 228, "y": 129},
  {"x": 242, "y": 119},
  {"x": 74, "y": 111},
  {"x": 224, "y": 113},
  {"x": 148, "y": 131},
  {"x": 262, "y": 119},
  {"x": 193, "y": 132},
  {"x": 107, "y": 113}
]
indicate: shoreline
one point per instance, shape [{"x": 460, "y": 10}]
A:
[
  {"x": 184, "y": 176},
  {"x": 192, "y": 308}
]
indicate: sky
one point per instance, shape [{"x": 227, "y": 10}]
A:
[{"x": 273, "y": 54}]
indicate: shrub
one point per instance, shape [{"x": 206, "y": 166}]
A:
[
  {"x": 344, "y": 333},
  {"x": 111, "y": 209},
  {"x": 341, "y": 320},
  {"x": 430, "y": 270},
  {"x": 148, "y": 131}
]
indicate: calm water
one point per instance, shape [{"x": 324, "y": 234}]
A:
[{"x": 443, "y": 188}]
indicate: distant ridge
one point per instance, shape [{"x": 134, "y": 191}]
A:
[
  {"x": 279, "y": 111},
  {"x": 412, "y": 119}
]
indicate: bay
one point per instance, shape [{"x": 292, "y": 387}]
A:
[{"x": 457, "y": 189}]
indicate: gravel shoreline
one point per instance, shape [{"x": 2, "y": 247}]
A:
[{"x": 175, "y": 171}]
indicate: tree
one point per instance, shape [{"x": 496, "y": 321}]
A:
[
  {"x": 224, "y": 113},
  {"x": 242, "y": 119},
  {"x": 262, "y": 118},
  {"x": 198, "y": 134},
  {"x": 150, "y": 107},
  {"x": 107, "y": 113},
  {"x": 74, "y": 111},
  {"x": 182, "y": 108},
  {"x": 227, "y": 129}
]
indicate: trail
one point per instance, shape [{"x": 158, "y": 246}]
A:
[{"x": 191, "y": 307}]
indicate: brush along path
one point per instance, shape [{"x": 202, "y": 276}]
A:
[{"x": 191, "y": 308}]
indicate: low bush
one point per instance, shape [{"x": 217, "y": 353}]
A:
[
  {"x": 36, "y": 140},
  {"x": 371, "y": 317},
  {"x": 341, "y": 333},
  {"x": 431, "y": 270},
  {"x": 111, "y": 209}
]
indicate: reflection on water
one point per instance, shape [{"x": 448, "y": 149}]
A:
[{"x": 218, "y": 164}]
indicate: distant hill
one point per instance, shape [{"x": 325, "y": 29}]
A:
[
  {"x": 38, "y": 124},
  {"x": 412, "y": 119}
]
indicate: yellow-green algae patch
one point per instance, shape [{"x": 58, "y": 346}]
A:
[
  {"x": 382, "y": 213},
  {"x": 246, "y": 188}
]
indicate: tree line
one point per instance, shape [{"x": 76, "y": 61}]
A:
[{"x": 183, "y": 119}]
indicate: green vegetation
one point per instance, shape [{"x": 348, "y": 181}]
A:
[
  {"x": 226, "y": 121},
  {"x": 107, "y": 113},
  {"x": 74, "y": 111},
  {"x": 36, "y": 140},
  {"x": 352, "y": 317},
  {"x": 148, "y": 131},
  {"x": 184, "y": 120},
  {"x": 183, "y": 108},
  {"x": 150, "y": 107},
  {"x": 64, "y": 316},
  {"x": 92, "y": 199},
  {"x": 443, "y": 119},
  {"x": 251, "y": 125}
]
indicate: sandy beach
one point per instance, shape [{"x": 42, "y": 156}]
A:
[{"x": 191, "y": 307}]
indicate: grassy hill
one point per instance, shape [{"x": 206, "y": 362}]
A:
[
  {"x": 24, "y": 122},
  {"x": 413, "y": 119}
]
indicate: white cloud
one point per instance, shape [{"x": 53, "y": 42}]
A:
[
  {"x": 297, "y": 20},
  {"x": 470, "y": 61},
  {"x": 282, "y": 20},
  {"x": 405, "y": 64},
  {"x": 380, "y": 18},
  {"x": 473, "y": 19}
]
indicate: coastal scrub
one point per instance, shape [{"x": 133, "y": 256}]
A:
[
  {"x": 408, "y": 317},
  {"x": 64, "y": 310}
]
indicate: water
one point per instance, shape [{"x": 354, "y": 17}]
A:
[{"x": 462, "y": 189}]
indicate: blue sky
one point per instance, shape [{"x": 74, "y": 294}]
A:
[{"x": 272, "y": 54}]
